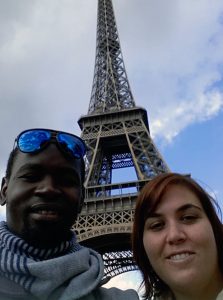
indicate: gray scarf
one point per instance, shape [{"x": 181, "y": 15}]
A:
[{"x": 65, "y": 272}]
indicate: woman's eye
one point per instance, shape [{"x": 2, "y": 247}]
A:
[
  {"x": 155, "y": 226},
  {"x": 189, "y": 218}
]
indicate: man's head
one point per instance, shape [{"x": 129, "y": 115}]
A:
[{"x": 43, "y": 187}]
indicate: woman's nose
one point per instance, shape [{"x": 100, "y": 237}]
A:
[{"x": 175, "y": 233}]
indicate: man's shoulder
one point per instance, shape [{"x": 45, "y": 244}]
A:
[{"x": 11, "y": 291}]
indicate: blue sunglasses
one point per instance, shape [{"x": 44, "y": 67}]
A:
[{"x": 34, "y": 140}]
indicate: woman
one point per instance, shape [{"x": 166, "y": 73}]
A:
[{"x": 178, "y": 240}]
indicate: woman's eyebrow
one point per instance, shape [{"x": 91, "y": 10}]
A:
[
  {"x": 153, "y": 215},
  {"x": 188, "y": 206},
  {"x": 180, "y": 209}
]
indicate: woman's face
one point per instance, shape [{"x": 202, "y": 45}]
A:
[{"x": 179, "y": 241}]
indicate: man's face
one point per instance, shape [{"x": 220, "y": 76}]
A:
[{"x": 43, "y": 196}]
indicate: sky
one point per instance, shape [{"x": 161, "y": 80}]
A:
[{"x": 173, "y": 54}]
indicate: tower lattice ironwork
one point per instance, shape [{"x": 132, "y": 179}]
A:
[{"x": 117, "y": 135}]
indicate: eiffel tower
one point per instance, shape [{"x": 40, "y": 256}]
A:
[{"x": 117, "y": 135}]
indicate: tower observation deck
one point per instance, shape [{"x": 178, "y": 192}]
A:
[{"x": 117, "y": 135}]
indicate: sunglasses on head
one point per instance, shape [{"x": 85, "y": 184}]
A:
[{"x": 34, "y": 140}]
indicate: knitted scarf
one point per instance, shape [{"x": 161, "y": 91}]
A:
[{"x": 67, "y": 271}]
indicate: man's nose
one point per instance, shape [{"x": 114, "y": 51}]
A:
[
  {"x": 47, "y": 186},
  {"x": 175, "y": 233}
]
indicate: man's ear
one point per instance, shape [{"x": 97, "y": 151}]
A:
[
  {"x": 82, "y": 199},
  {"x": 4, "y": 187}
]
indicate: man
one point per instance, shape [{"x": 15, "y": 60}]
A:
[{"x": 43, "y": 193}]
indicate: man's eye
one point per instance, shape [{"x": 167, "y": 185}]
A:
[
  {"x": 30, "y": 177},
  {"x": 69, "y": 180}
]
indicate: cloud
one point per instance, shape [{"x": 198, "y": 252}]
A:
[
  {"x": 42, "y": 75},
  {"x": 175, "y": 118},
  {"x": 172, "y": 53},
  {"x": 179, "y": 48}
]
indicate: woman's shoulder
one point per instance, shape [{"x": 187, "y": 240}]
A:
[
  {"x": 220, "y": 296},
  {"x": 116, "y": 294}
]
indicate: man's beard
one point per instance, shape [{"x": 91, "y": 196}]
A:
[{"x": 45, "y": 234}]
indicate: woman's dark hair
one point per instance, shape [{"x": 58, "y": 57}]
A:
[{"x": 147, "y": 201}]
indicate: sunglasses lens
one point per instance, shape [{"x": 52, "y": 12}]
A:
[
  {"x": 32, "y": 140},
  {"x": 72, "y": 144}
]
